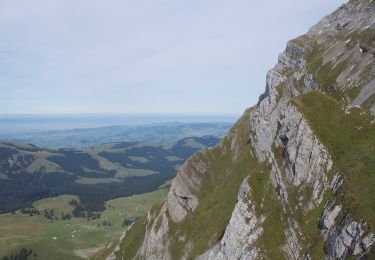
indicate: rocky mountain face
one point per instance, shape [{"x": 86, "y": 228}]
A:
[{"x": 295, "y": 177}]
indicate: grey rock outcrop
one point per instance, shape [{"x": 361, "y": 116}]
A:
[
  {"x": 347, "y": 239},
  {"x": 155, "y": 244},
  {"x": 276, "y": 123},
  {"x": 181, "y": 198},
  {"x": 330, "y": 213},
  {"x": 242, "y": 232},
  {"x": 366, "y": 243}
]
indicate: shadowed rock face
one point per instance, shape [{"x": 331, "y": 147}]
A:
[
  {"x": 301, "y": 179},
  {"x": 181, "y": 198}
]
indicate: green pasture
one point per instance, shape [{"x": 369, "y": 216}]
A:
[{"x": 75, "y": 238}]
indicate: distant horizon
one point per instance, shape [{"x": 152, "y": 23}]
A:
[
  {"x": 12, "y": 125},
  {"x": 120, "y": 114}
]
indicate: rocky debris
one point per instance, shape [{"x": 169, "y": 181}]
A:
[{"x": 239, "y": 240}]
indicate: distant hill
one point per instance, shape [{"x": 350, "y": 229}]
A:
[
  {"x": 29, "y": 173},
  {"x": 90, "y": 137}
]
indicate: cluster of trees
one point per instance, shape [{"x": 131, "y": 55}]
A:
[
  {"x": 30, "y": 211},
  {"x": 80, "y": 211},
  {"x": 23, "y": 254},
  {"x": 93, "y": 215},
  {"x": 49, "y": 214},
  {"x": 127, "y": 222},
  {"x": 105, "y": 224}
]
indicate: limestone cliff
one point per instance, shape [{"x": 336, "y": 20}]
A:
[{"x": 295, "y": 177}]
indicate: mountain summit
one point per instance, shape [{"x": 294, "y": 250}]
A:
[{"x": 294, "y": 178}]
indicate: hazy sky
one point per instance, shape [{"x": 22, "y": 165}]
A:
[{"x": 154, "y": 56}]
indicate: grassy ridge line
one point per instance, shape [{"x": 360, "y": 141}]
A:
[{"x": 350, "y": 139}]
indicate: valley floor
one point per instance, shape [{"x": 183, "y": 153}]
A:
[{"x": 75, "y": 238}]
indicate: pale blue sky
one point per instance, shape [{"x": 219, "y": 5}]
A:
[{"x": 154, "y": 56}]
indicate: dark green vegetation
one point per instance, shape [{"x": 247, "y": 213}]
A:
[
  {"x": 23, "y": 254},
  {"x": 350, "y": 139},
  {"x": 29, "y": 173},
  {"x": 157, "y": 133}
]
